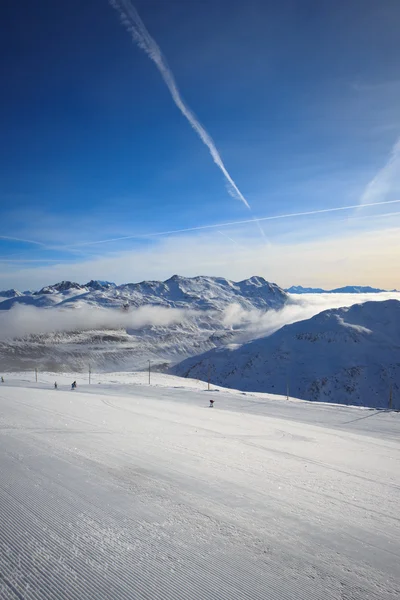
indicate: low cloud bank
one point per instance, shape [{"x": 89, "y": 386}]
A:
[
  {"x": 255, "y": 323},
  {"x": 22, "y": 320}
]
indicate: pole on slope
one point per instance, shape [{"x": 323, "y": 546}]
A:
[
  {"x": 149, "y": 371},
  {"x": 287, "y": 391},
  {"x": 36, "y": 374},
  {"x": 391, "y": 396},
  {"x": 90, "y": 373}
]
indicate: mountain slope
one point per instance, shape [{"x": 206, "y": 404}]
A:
[{"x": 348, "y": 356}]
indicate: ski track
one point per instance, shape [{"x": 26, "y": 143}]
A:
[{"x": 145, "y": 493}]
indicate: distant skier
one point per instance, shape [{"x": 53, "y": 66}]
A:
[
  {"x": 2, "y": 379},
  {"x": 211, "y": 403},
  {"x": 55, "y": 385},
  {"x": 73, "y": 386}
]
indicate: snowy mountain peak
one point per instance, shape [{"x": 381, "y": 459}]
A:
[
  {"x": 196, "y": 293},
  {"x": 96, "y": 284},
  {"x": 256, "y": 281},
  {"x": 10, "y": 293},
  {"x": 62, "y": 286},
  {"x": 175, "y": 278}
]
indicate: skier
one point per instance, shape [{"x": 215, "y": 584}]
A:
[
  {"x": 211, "y": 403},
  {"x": 73, "y": 386},
  {"x": 2, "y": 379},
  {"x": 55, "y": 385}
]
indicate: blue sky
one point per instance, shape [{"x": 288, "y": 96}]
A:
[{"x": 299, "y": 98}]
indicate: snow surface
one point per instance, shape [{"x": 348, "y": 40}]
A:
[
  {"x": 346, "y": 355},
  {"x": 127, "y": 490}
]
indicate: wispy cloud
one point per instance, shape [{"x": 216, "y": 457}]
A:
[
  {"x": 23, "y": 240},
  {"x": 43, "y": 261},
  {"x": 234, "y": 223},
  {"x": 134, "y": 24},
  {"x": 228, "y": 237},
  {"x": 386, "y": 182}
]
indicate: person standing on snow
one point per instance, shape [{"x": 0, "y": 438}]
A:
[{"x": 211, "y": 403}]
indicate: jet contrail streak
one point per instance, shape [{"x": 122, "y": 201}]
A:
[
  {"x": 230, "y": 223},
  {"x": 134, "y": 24},
  {"x": 42, "y": 260},
  {"x": 229, "y": 238},
  {"x": 380, "y": 216},
  {"x": 17, "y": 239}
]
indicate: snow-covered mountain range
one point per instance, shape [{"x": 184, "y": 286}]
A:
[
  {"x": 347, "y": 355},
  {"x": 209, "y": 325},
  {"x": 200, "y": 293},
  {"x": 349, "y": 289},
  {"x": 194, "y": 319}
]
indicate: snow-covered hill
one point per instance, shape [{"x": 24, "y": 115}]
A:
[
  {"x": 113, "y": 343},
  {"x": 348, "y": 356}
]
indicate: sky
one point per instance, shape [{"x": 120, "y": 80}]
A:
[{"x": 208, "y": 137}]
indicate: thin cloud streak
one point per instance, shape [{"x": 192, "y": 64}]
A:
[
  {"x": 242, "y": 222},
  {"x": 135, "y": 26},
  {"x": 230, "y": 239},
  {"x": 380, "y": 216},
  {"x": 386, "y": 181},
  {"x": 30, "y": 260},
  {"x": 17, "y": 239}
]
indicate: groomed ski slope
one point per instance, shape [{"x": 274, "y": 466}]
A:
[{"x": 123, "y": 490}]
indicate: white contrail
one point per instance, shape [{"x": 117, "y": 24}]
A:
[
  {"x": 380, "y": 216},
  {"x": 17, "y": 239},
  {"x": 6, "y": 260},
  {"x": 134, "y": 24},
  {"x": 387, "y": 180},
  {"x": 229, "y": 238},
  {"x": 230, "y": 223}
]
